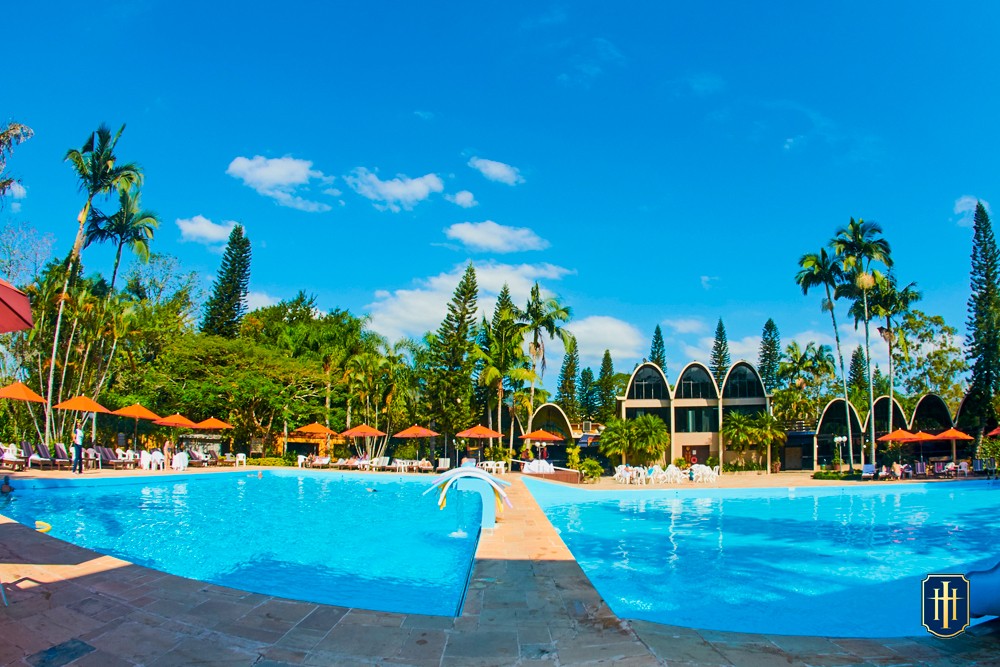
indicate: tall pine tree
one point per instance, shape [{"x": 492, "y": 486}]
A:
[
  {"x": 452, "y": 362},
  {"x": 857, "y": 375},
  {"x": 587, "y": 395},
  {"x": 224, "y": 310},
  {"x": 719, "y": 362},
  {"x": 566, "y": 397},
  {"x": 770, "y": 355},
  {"x": 982, "y": 347},
  {"x": 605, "y": 387},
  {"x": 657, "y": 353}
]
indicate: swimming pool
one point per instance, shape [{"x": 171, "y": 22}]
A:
[
  {"x": 318, "y": 537},
  {"x": 810, "y": 561}
]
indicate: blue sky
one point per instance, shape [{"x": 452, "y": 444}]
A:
[{"x": 647, "y": 162}]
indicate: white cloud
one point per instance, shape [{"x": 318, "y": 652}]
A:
[
  {"x": 200, "y": 229},
  {"x": 490, "y": 236},
  {"x": 686, "y": 325},
  {"x": 257, "y": 300},
  {"x": 15, "y": 207},
  {"x": 497, "y": 171},
  {"x": 421, "y": 308},
  {"x": 965, "y": 209},
  {"x": 706, "y": 281},
  {"x": 17, "y": 191},
  {"x": 424, "y": 115},
  {"x": 597, "y": 333},
  {"x": 280, "y": 179},
  {"x": 395, "y": 194},
  {"x": 464, "y": 198}
]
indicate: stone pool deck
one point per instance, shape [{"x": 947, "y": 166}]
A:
[{"x": 528, "y": 603}]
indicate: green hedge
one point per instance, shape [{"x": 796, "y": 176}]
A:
[{"x": 271, "y": 461}]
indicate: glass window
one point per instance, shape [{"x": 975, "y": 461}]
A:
[
  {"x": 743, "y": 383},
  {"x": 696, "y": 383},
  {"x": 697, "y": 420},
  {"x": 648, "y": 383},
  {"x": 662, "y": 413}
]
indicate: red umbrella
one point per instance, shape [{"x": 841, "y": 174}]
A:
[
  {"x": 994, "y": 433},
  {"x": 20, "y": 392},
  {"x": 15, "y": 309},
  {"x": 416, "y": 432}
]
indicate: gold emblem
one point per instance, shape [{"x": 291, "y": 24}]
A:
[{"x": 945, "y": 604}]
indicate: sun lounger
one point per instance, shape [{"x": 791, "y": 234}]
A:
[
  {"x": 443, "y": 464},
  {"x": 919, "y": 469},
  {"x": 868, "y": 471},
  {"x": 12, "y": 457},
  {"x": 59, "y": 463},
  {"x": 320, "y": 462},
  {"x": 35, "y": 457},
  {"x": 195, "y": 459},
  {"x": 108, "y": 459},
  {"x": 977, "y": 467}
]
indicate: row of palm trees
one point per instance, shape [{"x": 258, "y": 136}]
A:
[{"x": 850, "y": 268}]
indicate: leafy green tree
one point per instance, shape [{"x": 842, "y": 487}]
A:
[
  {"x": 543, "y": 317},
  {"x": 719, "y": 362},
  {"x": 932, "y": 361},
  {"x": 605, "y": 389},
  {"x": 131, "y": 226},
  {"x": 452, "y": 359},
  {"x": 587, "y": 395},
  {"x": 645, "y": 437},
  {"x": 769, "y": 433},
  {"x": 98, "y": 171},
  {"x": 807, "y": 370},
  {"x": 857, "y": 381},
  {"x": 825, "y": 269},
  {"x": 657, "y": 353},
  {"x": 10, "y": 136},
  {"x": 566, "y": 393},
  {"x": 982, "y": 347},
  {"x": 737, "y": 430},
  {"x": 500, "y": 356},
  {"x": 860, "y": 244},
  {"x": 770, "y": 355},
  {"x": 226, "y": 306}
]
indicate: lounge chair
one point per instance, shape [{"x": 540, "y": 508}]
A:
[
  {"x": 425, "y": 466},
  {"x": 868, "y": 471},
  {"x": 35, "y": 457},
  {"x": 991, "y": 466},
  {"x": 919, "y": 469},
  {"x": 109, "y": 459},
  {"x": 320, "y": 462},
  {"x": 12, "y": 458},
  {"x": 195, "y": 459},
  {"x": 59, "y": 463},
  {"x": 977, "y": 466},
  {"x": 443, "y": 464}
]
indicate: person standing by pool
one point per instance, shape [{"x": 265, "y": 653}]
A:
[{"x": 77, "y": 448}]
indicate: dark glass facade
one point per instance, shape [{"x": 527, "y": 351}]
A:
[
  {"x": 662, "y": 413},
  {"x": 696, "y": 383},
  {"x": 743, "y": 383},
  {"x": 648, "y": 384},
  {"x": 697, "y": 420}
]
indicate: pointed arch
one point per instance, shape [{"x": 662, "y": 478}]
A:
[
  {"x": 831, "y": 421},
  {"x": 648, "y": 382},
  {"x": 881, "y": 414},
  {"x": 696, "y": 381}
]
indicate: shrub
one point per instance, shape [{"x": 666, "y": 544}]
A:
[
  {"x": 591, "y": 469},
  {"x": 271, "y": 461},
  {"x": 712, "y": 461},
  {"x": 573, "y": 457},
  {"x": 742, "y": 466},
  {"x": 407, "y": 450},
  {"x": 499, "y": 453},
  {"x": 680, "y": 462}
]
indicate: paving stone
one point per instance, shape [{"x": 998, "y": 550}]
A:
[{"x": 61, "y": 654}]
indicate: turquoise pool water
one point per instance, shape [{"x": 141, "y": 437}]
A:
[
  {"x": 816, "y": 561},
  {"x": 319, "y": 537}
]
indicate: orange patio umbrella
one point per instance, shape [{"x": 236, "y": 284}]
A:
[
  {"x": 542, "y": 436},
  {"x": 899, "y": 435},
  {"x": 136, "y": 412},
  {"x": 416, "y": 432},
  {"x": 81, "y": 404},
  {"x": 20, "y": 392},
  {"x": 212, "y": 424},
  {"x": 994, "y": 433},
  {"x": 479, "y": 432},
  {"x": 315, "y": 429},
  {"x": 363, "y": 431},
  {"x": 176, "y": 421},
  {"x": 953, "y": 434}
]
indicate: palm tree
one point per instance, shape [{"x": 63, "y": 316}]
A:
[
  {"x": 652, "y": 435},
  {"x": 96, "y": 168},
  {"x": 646, "y": 435},
  {"x": 541, "y": 318},
  {"x": 501, "y": 357},
  {"x": 825, "y": 270},
  {"x": 131, "y": 225},
  {"x": 737, "y": 429},
  {"x": 888, "y": 302},
  {"x": 768, "y": 432},
  {"x": 859, "y": 244},
  {"x": 10, "y": 136}
]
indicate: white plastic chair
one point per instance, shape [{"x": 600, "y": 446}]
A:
[
  {"x": 302, "y": 461},
  {"x": 157, "y": 460},
  {"x": 145, "y": 460},
  {"x": 180, "y": 461},
  {"x": 963, "y": 468},
  {"x": 241, "y": 460}
]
